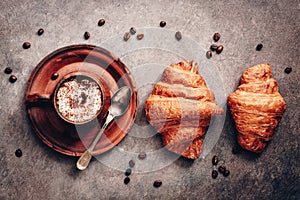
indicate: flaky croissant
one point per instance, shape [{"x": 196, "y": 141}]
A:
[
  {"x": 256, "y": 107},
  {"x": 180, "y": 108}
]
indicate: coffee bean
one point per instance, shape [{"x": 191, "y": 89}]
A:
[
  {"x": 208, "y": 54},
  {"x": 18, "y": 153},
  {"x": 215, "y": 160},
  {"x": 140, "y": 36},
  {"x": 8, "y": 70},
  {"x": 219, "y": 49},
  {"x": 132, "y": 30},
  {"x": 162, "y": 24},
  {"x": 26, "y": 45},
  {"x": 157, "y": 183},
  {"x": 226, "y": 173},
  {"x": 128, "y": 172},
  {"x": 12, "y": 78},
  {"x": 126, "y": 180},
  {"x": 214, "y": 174},
  {"x": 221, "y": 169},
  {"x": 54, "y": 76},
  {"x": 259, "y": 47},
  {"x": 178, "y": 35},
  {"x": 142, "y": 155},
  {"x": 216, "y": 37},
  {"x": 86, "y": 35},
  {"x": 40, "y": 31},
  {"x": 126, "y": 36},
  {"x": 131, "y": 163},
  {"x": 213, "y": 47},
  {"x": 101, "y": 22},
  {"x": 288, "y": 70}
]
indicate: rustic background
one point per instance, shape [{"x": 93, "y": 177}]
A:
[{"x": 41, "y": 173}]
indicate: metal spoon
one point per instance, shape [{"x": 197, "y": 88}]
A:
[{"x": 119, "y": 105}]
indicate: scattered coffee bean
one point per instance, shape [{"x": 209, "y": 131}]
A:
[
  {"x": 216, "y": 37},
  {"x": 178, "y": 35},
  {"x": 288, "y": 70},
  {"x": 128, "y": 172},
  {"x": 131, "y": 163},
  {"x": 142, "y": 155},
  {"x": 213, "y": 47},
  {"x": 101, "y": 22},
  {"x": 162, "y": 24},
  {"x": 18, "y": 153},
  {"x": 221, "y": 169},
  {"x": 40, "y": 31},
  {"x": 86, "y": 35},
  {"x": 157, "y": 183},
  {"x": 26, "y": 45},
  {"x": 215, "y": 160},
  {"x": 219, "y": 49},
  {"x": 126, "y": 180},
  {"x": 12, "y": 78},
  {"x": 259, "y": 47},
  {"x": 214, "y": 174},
  {"x": 132, "y": 30},
  {"x": 8, "y": 70},
  {"x": 208, "y": 54},
  {"x": 54, "y": 76},
  {"x": 140, "y": 36},
  {"x": 126, "y": 36},
  {"x": 226, "y": 173}
]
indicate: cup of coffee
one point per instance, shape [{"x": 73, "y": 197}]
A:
[{"x": 78, "y": 98}]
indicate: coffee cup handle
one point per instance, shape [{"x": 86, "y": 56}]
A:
[{"x": 36, "y": 98}]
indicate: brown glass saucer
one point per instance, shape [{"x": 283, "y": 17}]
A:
[{"x": 77, "y": 60}]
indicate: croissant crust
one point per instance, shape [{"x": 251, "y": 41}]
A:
[
  {"x": 256, "y": 107},
  {"x": 180, "y": 107}
]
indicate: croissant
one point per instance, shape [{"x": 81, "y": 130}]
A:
[
  {"x": 180, "y": 108},
  {"x": 256, "y": 107}
]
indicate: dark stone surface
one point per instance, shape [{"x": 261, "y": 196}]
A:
[{"x": 41, "y": 173}]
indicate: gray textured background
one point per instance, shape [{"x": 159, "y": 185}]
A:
[{"x": 41, "y": 173}]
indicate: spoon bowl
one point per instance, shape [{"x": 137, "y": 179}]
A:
[{"x": 120, "y": 101}]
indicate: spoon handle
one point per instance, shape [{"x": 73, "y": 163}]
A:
[
  {"x": 85, "y": 158},
  {"x": 109, "y": 118}
]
